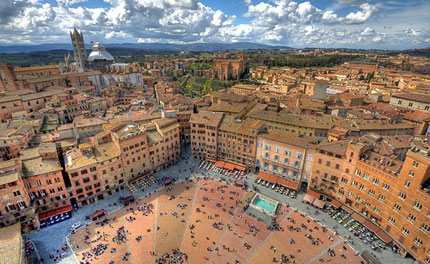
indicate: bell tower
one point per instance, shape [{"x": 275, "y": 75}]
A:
[{"x": 80, "y": 54}]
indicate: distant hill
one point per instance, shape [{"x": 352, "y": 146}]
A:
[{"x": 146, "y": 46}]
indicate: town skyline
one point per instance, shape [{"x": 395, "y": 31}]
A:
[{"x": 299, "y": 24}]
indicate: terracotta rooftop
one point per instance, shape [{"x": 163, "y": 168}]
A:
[
  {"x": 207, "y": 118},
  {"x": 11, "y": 244},
  {"x": 423, "y": 98},
  {"x": 288, "y": 138}
]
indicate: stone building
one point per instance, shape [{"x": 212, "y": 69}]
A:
[
  {"x": 225, "y": 70},
  {"x": 80, "y": 53},
  {"x": 285, "y": 158}
]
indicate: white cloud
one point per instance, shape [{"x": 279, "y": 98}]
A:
[
  {"x": 284, "y": 22},
  {"x": 361, "y": 16},
  {"x": 248, "y": 2}
]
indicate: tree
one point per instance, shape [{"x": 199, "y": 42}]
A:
[{"x": 207, "y": 87}]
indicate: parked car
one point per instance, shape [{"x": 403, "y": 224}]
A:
[{"x": 75, "y": 226}]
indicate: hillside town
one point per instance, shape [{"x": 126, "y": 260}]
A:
[{"x": 354, "y": 136}]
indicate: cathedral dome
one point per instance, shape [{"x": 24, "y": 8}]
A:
[{"x": 99, "y": 53}]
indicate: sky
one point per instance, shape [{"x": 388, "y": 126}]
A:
[{"x": 385, "y": 24}]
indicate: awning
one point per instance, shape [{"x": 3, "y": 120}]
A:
[
  {"x": 238, "y": 167},
  {"x": 267, "y": 177},
  {"x": 63, "y": 210},
  {"x": 309, "y": 198},
  {"x": 358, "y": 217},
  {"x": 336, "y": 203},
  {"x": 378, "y": 231},
  {"x": 384, "y": 236},
  {"x": 98, "y": 214},
  {"x": 47, "y": 215},
  {"x": 315, "y": 194},
  {"x": 347, "y": 209},
  {"x": 229, "y": 166},
  {"x": 219, "y": 164},
  {"x": 318, "y": 203},
  {"x": 211, "y": 160},
  {"x": 289, "y": 184},
  {"x": 371, "y": 226}
]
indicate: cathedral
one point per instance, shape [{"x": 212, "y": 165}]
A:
[{"x": 98, "y": 59}]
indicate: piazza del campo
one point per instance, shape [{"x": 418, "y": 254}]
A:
[{"x": 223, "y": 152}]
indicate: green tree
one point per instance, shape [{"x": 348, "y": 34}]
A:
[{"x": 207, "y": 87}]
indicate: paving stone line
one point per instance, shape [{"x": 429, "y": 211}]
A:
[
  {"x": 191, "y": 213},
  {"x": 155, "y": 225},
  {"x": 225, "y": 229},
  {"x": 267, "y": 237},
  {"x": 127, "y": 236},
  {"x": 324, "y": 251}
]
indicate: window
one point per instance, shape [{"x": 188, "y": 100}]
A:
[
  {"x": 350, "y": 194},
  {"x": 295, "y": 174},
  {"x": 299, "y": 155},
  {"x": 286, "y": 161},
  {"x": 17, "y": 193},
  {"x": 391, "y": 220},
  {"x": 418, "y": 242},
  {"x": 309, "y": 157},
  {"x": 337, "y": 166},
  {"x": 319, "y": 161},
  {"x": 267, "y": 147},
  {"x": 402, "y": 195},
  {"x": 425, "y": 227},
  {"x": 367, "y": 204},
  {"x": 407, "y": 183},
  {"x": 375, "y": 181},
  {"x": 277, "y": 150},
  {"x": 284, "y": 171},
  {"x": 405, "y": 231},
  {"x": 417, "y": 205},
  {"x": 357, "y": 172},
  {"x": 397, "y": 207},
  {"x": 308, "y": 165},
  {"x": 267, "y": 155},
  {"x": 411, "y": 173},
  {"x": 381, "y": 198},
  {"x": 259, "y": 144},
  {"x": 277, "y": 158},
  {"x": 296, "y": 164},
  {"x": 266, "y": 165},
  {"x": 27, "y": 185},
  {"x": 275, "y": 168},
  {"x": 287, "y": 152},
  {"x": 74, "y": 174},
  {"x": 345, "y": 181},
  {"x": 371, "y": 192},
  {"x": 39, "y": 183},
  {"x": 327, "y": 163},
  {"x": 385, "y": 186},
  {"x": 412, "y": 218},
  {"x": 366, "y": 176},
  {"x": 362, "y": 187},
  {"x": 415, "y": 164},
  {"x": 21, "y": 205},
  {"x": 354, "y": 183}
]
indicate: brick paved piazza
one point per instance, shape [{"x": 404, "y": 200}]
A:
[
  {"x": 184, "y": 216},
  {"x": 202, "y": 218}
]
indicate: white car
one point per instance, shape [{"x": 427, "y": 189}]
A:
[{"x": 75, "y": 226}]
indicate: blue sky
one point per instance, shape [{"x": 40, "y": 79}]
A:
[{"x": 387, "y": 24}]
